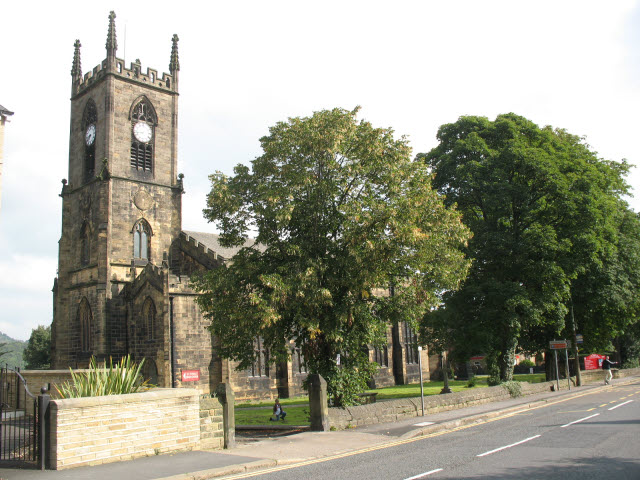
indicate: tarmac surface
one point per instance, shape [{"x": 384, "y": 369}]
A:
[{"x": 258, "y": 453}]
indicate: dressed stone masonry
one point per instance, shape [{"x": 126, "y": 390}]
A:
[{"x": 124, "y": 262}]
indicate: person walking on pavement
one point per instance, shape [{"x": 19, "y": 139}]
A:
[{"x": 606, "y": 366}]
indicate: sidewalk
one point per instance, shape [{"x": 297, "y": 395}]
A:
[{"x": 292, "y": 449}]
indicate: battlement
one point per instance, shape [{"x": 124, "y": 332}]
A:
[
  {"x": 134, "y": 73},
  {"x": 199, "y": 247},
  {"x": 116, "y": 66}
]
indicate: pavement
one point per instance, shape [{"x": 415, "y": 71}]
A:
[{"x": 263, "y": 453}]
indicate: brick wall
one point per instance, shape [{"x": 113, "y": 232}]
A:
[{"x": 95, "y": 430}]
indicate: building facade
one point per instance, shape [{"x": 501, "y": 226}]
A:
[{"x": 124, "y": 260}]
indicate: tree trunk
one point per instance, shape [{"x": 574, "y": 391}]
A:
[{"x": 508, "y": 360}]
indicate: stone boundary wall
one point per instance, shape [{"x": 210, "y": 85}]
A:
[
  {"x": 211, "y": 424},
  {"x": 393, "y": 410},
  {"x": 96, "y": 430}
]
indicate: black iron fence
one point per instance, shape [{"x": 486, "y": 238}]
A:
[{"x": 21, "y": 435}]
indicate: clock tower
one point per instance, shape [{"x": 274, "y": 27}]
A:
[{"x": 121, "y": 204}]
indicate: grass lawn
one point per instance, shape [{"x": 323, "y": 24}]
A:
[
  {"x": 297, "y": 408},
  {"x": 296, "y": 415}
]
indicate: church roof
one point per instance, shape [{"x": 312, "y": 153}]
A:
[{"x": 211, "y": 241}]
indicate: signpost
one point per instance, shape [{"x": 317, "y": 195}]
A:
[
  {"x": 421, "y": 385},
  {"x": 556, "y": 345}
]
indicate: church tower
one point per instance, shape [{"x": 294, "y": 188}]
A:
[{"x": 121, "y": 205}]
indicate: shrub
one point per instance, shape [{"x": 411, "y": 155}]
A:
[
  {"x": 527, "y": 363},
  {"x": 124, "y": 377},
  {"x": 514, "y": 388},
  {"x": 472, "y": 382}
]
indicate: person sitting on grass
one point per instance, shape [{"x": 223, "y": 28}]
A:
[{"x": 278, "y": 412}]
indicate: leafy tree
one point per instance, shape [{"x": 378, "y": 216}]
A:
[
  {"x": 37, "y": 354},
  {"x": 542, "y": 209},
  {"x": 340, "y": 211},
  {"x": 607, "y": 296}
]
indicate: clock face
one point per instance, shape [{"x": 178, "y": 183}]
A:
[
  {"x": 90, "y": 135},
  {"x": 142, "y": 132}
]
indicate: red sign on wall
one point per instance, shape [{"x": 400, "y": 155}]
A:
[
  {"x": 190, "y": 375},
  {"x": 593, "y": 361}
]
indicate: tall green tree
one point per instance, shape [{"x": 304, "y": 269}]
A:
[
  {"x": 37, "y": 354},
  {"x": 542, "y": 208},
  {"x": 340, "y": 210}
]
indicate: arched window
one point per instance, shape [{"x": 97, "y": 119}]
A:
[
  {"x": 149, "y": 318},
  {"x": 85, "y": 251},
  {"x": 143, "y": 122},
  {"x": 150, "y": 371},
  {"x": 85, "y": 319},
  {"x": 141, "y": 240},
  {"x": 89, "y": 121}
]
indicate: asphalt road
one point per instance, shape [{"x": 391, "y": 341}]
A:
[{"x": 593, "y": 436}]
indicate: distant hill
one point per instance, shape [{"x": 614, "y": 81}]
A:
[{"x": 14, "y": 349}]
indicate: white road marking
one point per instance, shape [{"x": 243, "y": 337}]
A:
[
  {"x": 507, "y": 446},
  {"x": 422, "y": 424},
  {"x": 422, "y": 475},
  {"x": 620, "y": 404},
  {"x": 581, "y": 420}
]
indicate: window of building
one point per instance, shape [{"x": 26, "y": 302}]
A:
[
  {"x": 141, "y": 240},
  {"x": 260, "y": 366},
  {"x": 300, "y": 364},
  {"x": 381, "y": 356},
  {"x": 410, "y": 345},
  {"x": 149, "y": 318},
  {"x": 85, "y": 319},
  {"x": 89, "y": 122},
  {"x": 143, "y": 121}
]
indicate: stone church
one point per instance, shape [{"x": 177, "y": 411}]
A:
[{"x": 124, "y": 260}]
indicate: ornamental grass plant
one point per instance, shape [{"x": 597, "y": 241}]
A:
[{"x": 123, "y": 377}]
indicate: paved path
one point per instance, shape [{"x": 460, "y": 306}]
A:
[{"x": 295, "y": 448}]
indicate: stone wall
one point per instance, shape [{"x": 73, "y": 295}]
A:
[
  {"x": 96, "y": 430},
  {"x": 394, "y": 410},
  {"x": 211, "y": 424}
]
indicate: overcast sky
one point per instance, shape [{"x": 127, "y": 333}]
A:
[{"x": 411, "y": 65}]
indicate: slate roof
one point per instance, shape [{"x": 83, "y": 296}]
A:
[{"x": 211, "y": 241}]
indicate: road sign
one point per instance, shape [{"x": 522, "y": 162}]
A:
[
  {"x": 559, "y": 344},
  {"x": 190, "y": 375},
  {"x": 579, "y": 338}
]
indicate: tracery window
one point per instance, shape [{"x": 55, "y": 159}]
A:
[
  {"x": 299, "y": 360},
  {"x": 149, "y": 318},
  {"x": 85, "y": 319},
  {"x": 410, "y": 345},
  {"x": 141, "y": 240},
  {"x": 381, "y": 356},
  {"x": 143, "y": 121},
  {"x": 89, "y": 121},
  {"x": 260, "y": 365}
]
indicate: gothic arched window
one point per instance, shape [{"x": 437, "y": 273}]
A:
[
  {"x": 143, "y": 122},
  {"x": 85, "y": 319},
  {"x": 85, "y": 251},
  {"x": 89, "y": 121},
  {"x": 149, "y": 318},
  {"x": 141, "y": 240}
]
